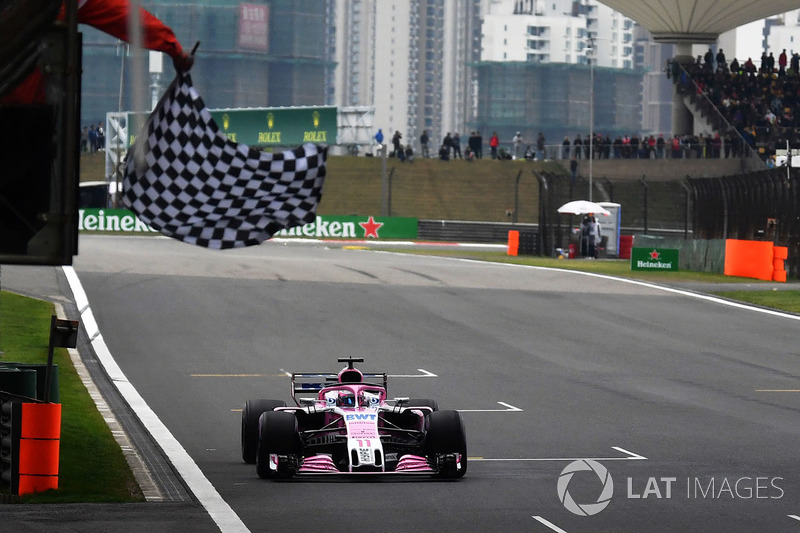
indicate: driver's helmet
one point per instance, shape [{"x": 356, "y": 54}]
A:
[
  {"x": 370, "y": 399},
  {"x": 346, "y": 399}
]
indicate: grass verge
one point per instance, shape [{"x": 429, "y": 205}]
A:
[
  {"x": 783, "y": 300},
  {"x": 92, "y": 467}
]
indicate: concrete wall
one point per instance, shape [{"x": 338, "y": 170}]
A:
[{"x": 664, "y": 169}]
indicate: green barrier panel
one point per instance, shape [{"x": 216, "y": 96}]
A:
[
  {"x": 20, "y": 382},
  {"x": 41, "y": 370}
]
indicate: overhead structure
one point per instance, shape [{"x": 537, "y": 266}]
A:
[{"x": 696, "y": 21}]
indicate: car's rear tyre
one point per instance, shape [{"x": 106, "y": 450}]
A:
[
  {"x": 277, "y": 436},
  {"x": 421, "y": 402},
  {"x": 446, "y": 435},
  {"x": 250, "y": 414}
]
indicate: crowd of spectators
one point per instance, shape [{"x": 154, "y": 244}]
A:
[
  {"x": 93, "y": 139},
  {"x": 761, "y": 102}
]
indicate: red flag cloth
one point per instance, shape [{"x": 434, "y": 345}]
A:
[{"x": 110, "y": 16}]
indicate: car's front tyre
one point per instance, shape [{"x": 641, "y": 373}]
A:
[
  {"x": 250, "y": 414},
  {"x": 277, "y": 436},
  {"x": 446, "y": 443}
]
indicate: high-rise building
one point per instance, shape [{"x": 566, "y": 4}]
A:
[
  {"x": 253, "y": 54},
  {"x": 411, "y": 60},
  {"x": 548, "y": 66}
]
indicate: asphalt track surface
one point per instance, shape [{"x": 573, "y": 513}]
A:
[{"x": 686, "y": 406}]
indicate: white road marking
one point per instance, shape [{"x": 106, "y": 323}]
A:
[
  {"x": 424, "y": 374},
  {"x": 219, "y": 510},
  {"x": 508, "y": 409},
  {"x": 548, "y": 524},
  {"x": 794, "y": 517},
  {"x": 633, "y": 455},
  {"x": 629, "y": 456},
  {"x": 699, "y": 296}
]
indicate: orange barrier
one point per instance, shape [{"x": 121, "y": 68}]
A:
[
  {"x": 779, "y": 256},
  {"x": 513, "y": 242},
  {"x": 755, "y": 259},
  {"x": 39, "y": 447}
]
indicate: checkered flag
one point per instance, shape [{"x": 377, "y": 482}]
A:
[{"x": 185, "y": 179}]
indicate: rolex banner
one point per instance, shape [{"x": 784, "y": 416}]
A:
[{"x": 654, "y": 259}]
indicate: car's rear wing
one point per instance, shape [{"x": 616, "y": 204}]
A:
[{"x": 313, "y": 382}]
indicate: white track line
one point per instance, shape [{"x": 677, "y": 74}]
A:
[
  {"x": 699, "y": 296},
  {"x": 548, "y": 524},
  {"x": 219, "y": 510},
  {"x": 508, "y": 409},
  {"x": 630, "y": 456},
  {"x": 424, "y": 374}
]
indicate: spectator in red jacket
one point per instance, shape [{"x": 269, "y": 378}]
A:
[{"x": 494, "y": 142}]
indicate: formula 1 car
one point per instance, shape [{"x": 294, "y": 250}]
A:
[{"x": 347, "y": 426}]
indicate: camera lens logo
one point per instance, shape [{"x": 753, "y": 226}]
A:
[{"x": 585, "y": 509}]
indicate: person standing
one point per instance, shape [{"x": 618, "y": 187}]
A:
[
  {"x": 782, "y": 61},
  {"x": 722, "y": 63},
  {"x": 455, "y": 141},
  {"x": 92, "y": 139},
  {"x": 447, "y": 142},
  {"x": 660, "y": 146},
  {"x": 577, "y": 147},
  {"x": 101, "y": 136},
  {"x": 598, "y": 239},
  {"x": 584, "y": 233},
  {"x": 84, "y": 139},
  {"x": 379, "y": 140},
  {"x": 517, "y": 140},
  {"x": 494, "y": 142},
  {"x": 423, "y": 141},
  {"x": 479, "y": 145},
  {"x": 472, "y": 143},
  {"x": 540, "y": 146},
  {"x": 709, "y": 61},
  {"x": 565, "y": 148},
  {"x": 398, "y": 149}
]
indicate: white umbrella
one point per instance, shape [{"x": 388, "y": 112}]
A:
[{"x": 583, "y": 207}]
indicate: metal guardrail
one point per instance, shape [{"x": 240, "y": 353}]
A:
[{"x": 497, "y": 232}]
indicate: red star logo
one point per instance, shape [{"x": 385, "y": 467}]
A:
[
  {"x": 371, "y": 227},
  {"x": 655, "y": 255}
]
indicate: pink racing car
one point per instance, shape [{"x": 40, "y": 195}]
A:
[{"x": 347, "y": 426}]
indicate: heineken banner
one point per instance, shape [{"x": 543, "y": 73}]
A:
[
  {"x": 325, "y": 227},
  {"x": 92, "y": 219},
  {"x": 654, "y": 259},
  {"x": 355, "y": 227},
  {"x": 268, "y": 126}
]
